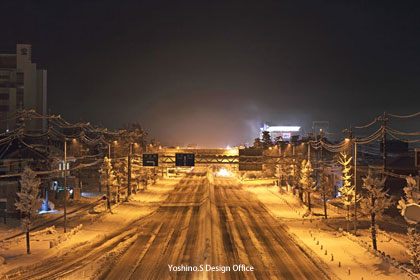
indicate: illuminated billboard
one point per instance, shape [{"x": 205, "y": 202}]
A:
[{"x": 285, "y": 131}]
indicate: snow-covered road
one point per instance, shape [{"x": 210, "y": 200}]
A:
[
  {"x": 204, "y": 229},
  {"x": 207, "y": 227}
]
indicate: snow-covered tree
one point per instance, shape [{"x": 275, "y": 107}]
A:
[
  {"x": 295, "y": 175},
  {"x": 136, "y": 174},
  {"x": 121, "y": 171},
  {"x": 347, "y": 191},
  {"x": 413, "y": 248},
  {"x": 132, "y": 133},
  {"x": 306, "y": 182},
  {"x": 375, "y": 202},
  {"x": 282, "y": 170},
  {"x": 257, "y": 143},
  {"x": 266, "y": 140},
  {"x": 28, "y": 201},
  {"x": 107, "y": 178},
  {"x": 412, "y": 195}
]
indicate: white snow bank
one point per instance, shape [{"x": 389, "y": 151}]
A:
[{"x": 346, "y": 258}]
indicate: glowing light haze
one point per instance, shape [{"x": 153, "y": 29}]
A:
[{"x": 211, "y": 72}]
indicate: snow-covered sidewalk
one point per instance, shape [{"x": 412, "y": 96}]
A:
[
  {"x": 346, "y": 256},
  {"x": 84, "y": 229}
]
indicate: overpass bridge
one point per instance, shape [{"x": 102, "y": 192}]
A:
[{"x": 233, "y": 157}]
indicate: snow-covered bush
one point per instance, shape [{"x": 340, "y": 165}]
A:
[
  {"x": 412, "y": 195},
  {"x": 413, "y": 248}
]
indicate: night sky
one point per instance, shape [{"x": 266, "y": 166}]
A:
[{"x": 210, "y": 72}]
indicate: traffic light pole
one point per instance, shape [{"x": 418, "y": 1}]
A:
[{"x": 65, "y": 185}]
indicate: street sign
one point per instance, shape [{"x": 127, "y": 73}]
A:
[
  {"x": 250, "y": 159},
  {"x": 150, "y": 159},
  {"x": 411, "y": 213},
  {"x": 417, "y": 157},
  {"x": 183, "y": 159}
]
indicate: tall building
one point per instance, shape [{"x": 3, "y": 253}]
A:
[{"x": 22, "y": 86}]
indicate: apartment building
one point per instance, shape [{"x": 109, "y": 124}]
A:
[{"x": 22, "y": 86}]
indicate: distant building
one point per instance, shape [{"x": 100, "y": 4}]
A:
[
  {"x": 22, "y": 86},
  {"x": 285, "y": 131}
]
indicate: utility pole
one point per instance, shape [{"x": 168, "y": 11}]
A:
[
  {"x": 65, "y": 185},
  {"x": 278, "y": 165},
  {"x": 384, "y": 120},
  {"x": 21, "y": 129},
  {"x": 295, "y": 171},
  {"x": 355, "y": 186},
  {"x": 350, "y": 136},
  {"x": 280, "y": 149},
  {"x": 130, "y": 150},
  {"x": 354, "y": 140},
  {"x": 321, "y": 163},
  {"x": 321, "y": 156},
  {"x": 309, "y": 150},
  {"x": 108, "y": 197},
  {"x": 320, "y": 160}
]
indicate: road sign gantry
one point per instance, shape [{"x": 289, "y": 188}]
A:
[{"x": 226, "y": 159}]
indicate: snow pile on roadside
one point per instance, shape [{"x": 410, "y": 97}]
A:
[
  {"x": 157, "y": 192},
  {"x": 66, "y": 236},
  {"x": 41, "y": 235},
  {"x": 95, "y": 228},
  {"x": 345, "y": 257},
  {"x": 99, "y": 267}
]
